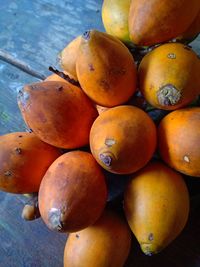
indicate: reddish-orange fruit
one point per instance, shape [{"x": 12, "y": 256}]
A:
[
  {"x": 123, "y": 139},
  {"x": 155, "y": 21},
  {"x": 73, "y": 192},
  {"x": 179, "y": 140},
  {"x": 156, "y": 204},
  {"x": 59, "y": 113},
  {"x": 106, "y": 243},
  {"x": 68, "y": 57},
  {"x": 169, "y": 76},
  {"x": 24, "y": 159},
  {"x": 105, "y": 68},
  {"x": 55, "y": 77}
]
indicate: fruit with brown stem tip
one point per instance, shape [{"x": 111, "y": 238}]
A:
[
  {"x": 123, "y": 139},
  {"x": 154, "y": 21},
  {"x": 106, "y": 243},
  {"x": 156, "y": 204},
  {"x": 59, "y": 113},
  {"x": 105, "y": 68},
  {"x": 73, "y": 192},
  {"x": 24, "y": 159},
  {"x": 179, "y": 140},
  {"x": 169, "y": 76}
]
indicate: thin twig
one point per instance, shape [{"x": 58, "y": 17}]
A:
[
  {"x": 64, "y": 76},
  {"x": 5, "y": 56}
]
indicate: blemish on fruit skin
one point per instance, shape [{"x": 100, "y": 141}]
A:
[
  {"x": 77, "y": 236},
  {"x": 150, "y": 237},
  {"x": 186, "y": 158},
  {"x": 18, "y": 150},
  {"x": 171, "y": 56},
  {"x": 91, "y": 67},
  {"x": 109, "y": 142},
  {"x": 54, "y": 219},
  {"x": 8, "y": 173},
  {"x": 107, "y": 160}
]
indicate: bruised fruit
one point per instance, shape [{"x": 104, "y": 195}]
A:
[
  {"x": 106, "y": 69},
  {"x": 179, "y": 140},
  {"x": 169, "y": 76},
  {"x": 154, "y": 21},
  {"x": 73, "y": 192},
  {"x": 59, "y": 113},
  {"x": 104, "y": 244},
  {"x": 68, "y": 57},
  {"x": 156, "y": 204},
  {"x": 115, "y": 18},
  {"x": 123, "y": 139},
  {"x": 24, "y": 159}
]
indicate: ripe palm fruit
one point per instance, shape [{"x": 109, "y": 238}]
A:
[
  {"x": 123, "y": 139},
  {"x": 115, "y": 18},
  {"x": 192, "y": 31},
  {"x": 156, "y": 204},
  {"x": 106, "y": 243},
  {"x": 55, "y": 77},
  {"x": 24, "y": 159},
  {"x": 68, "y": 57},
  {"x": 179, "y": 140},
  {"x": 59, "y": 113},
  {"x": 154, "y": 21},
  {"x": 169, "y": 76},
  {"x": 73, "y": 192},
  {"x": 105, "y": 68}
]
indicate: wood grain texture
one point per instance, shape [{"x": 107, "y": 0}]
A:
[{"x": 35, "y": 32}]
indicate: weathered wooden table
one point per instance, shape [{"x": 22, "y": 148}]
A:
[{"x": 35, "y": 32}]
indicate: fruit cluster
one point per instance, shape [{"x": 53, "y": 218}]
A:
[{"x": 93, "y": 119}]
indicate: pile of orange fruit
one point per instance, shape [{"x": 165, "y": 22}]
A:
[{"x": 91, "y": 119}]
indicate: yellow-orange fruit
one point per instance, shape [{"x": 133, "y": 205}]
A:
[
  {"x": 179, "y": 140},
  {"x": 123, "y": 139},
  {"x": 156, "y": 204},
  {"x": 73, "y": 192},
  {"x": 55, "y": 77},
  {"x": 155, "y": 21},
  {"x": 169, "y": 76},
  {"x": 104, "y": 244},
  {"x": 105, "y": 68},
  {"x": 68, "y": 57},
  {"x": 59, "y": 113},
  {"x": 24, "y": 159},
  {"x": 115, "y": 18}
]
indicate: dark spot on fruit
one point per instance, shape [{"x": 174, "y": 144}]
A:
[
  {"x": 150, "y": 237},
  {"x": 107, "y": 160},
  {"x": 20, "y": 136},
  {"x": 18, "y": 150},
  {"x": 60, "y": 88},
  {"x": 104, "y": 84},
  {"x": 91, "y": 67},
  {"x": 77, "y": 236},
  {"x": 8, "y": 173}
]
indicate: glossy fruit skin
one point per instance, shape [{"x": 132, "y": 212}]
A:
[
  {"x": 106, "y": 69},
  {"x": 123, "y": 139},
  {"x": 192, "y": 31},
  {"x": 73, "y": 192},
  {"x": 154, "y": 21},
  {"x": 169, "y": 76},
  {"x": 59, "y": 113},
  {"x": 156, "y": 204},
  {"x": 24, "y": 159},
  {"x": 115, "y": 18},
  {"x": 68, "y": 57},
  {"x": 104, "y": 244},
  {"x": 179, "y": 140}
]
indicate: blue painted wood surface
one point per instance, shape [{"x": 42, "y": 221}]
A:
[{"x": 35, "y": 32}]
